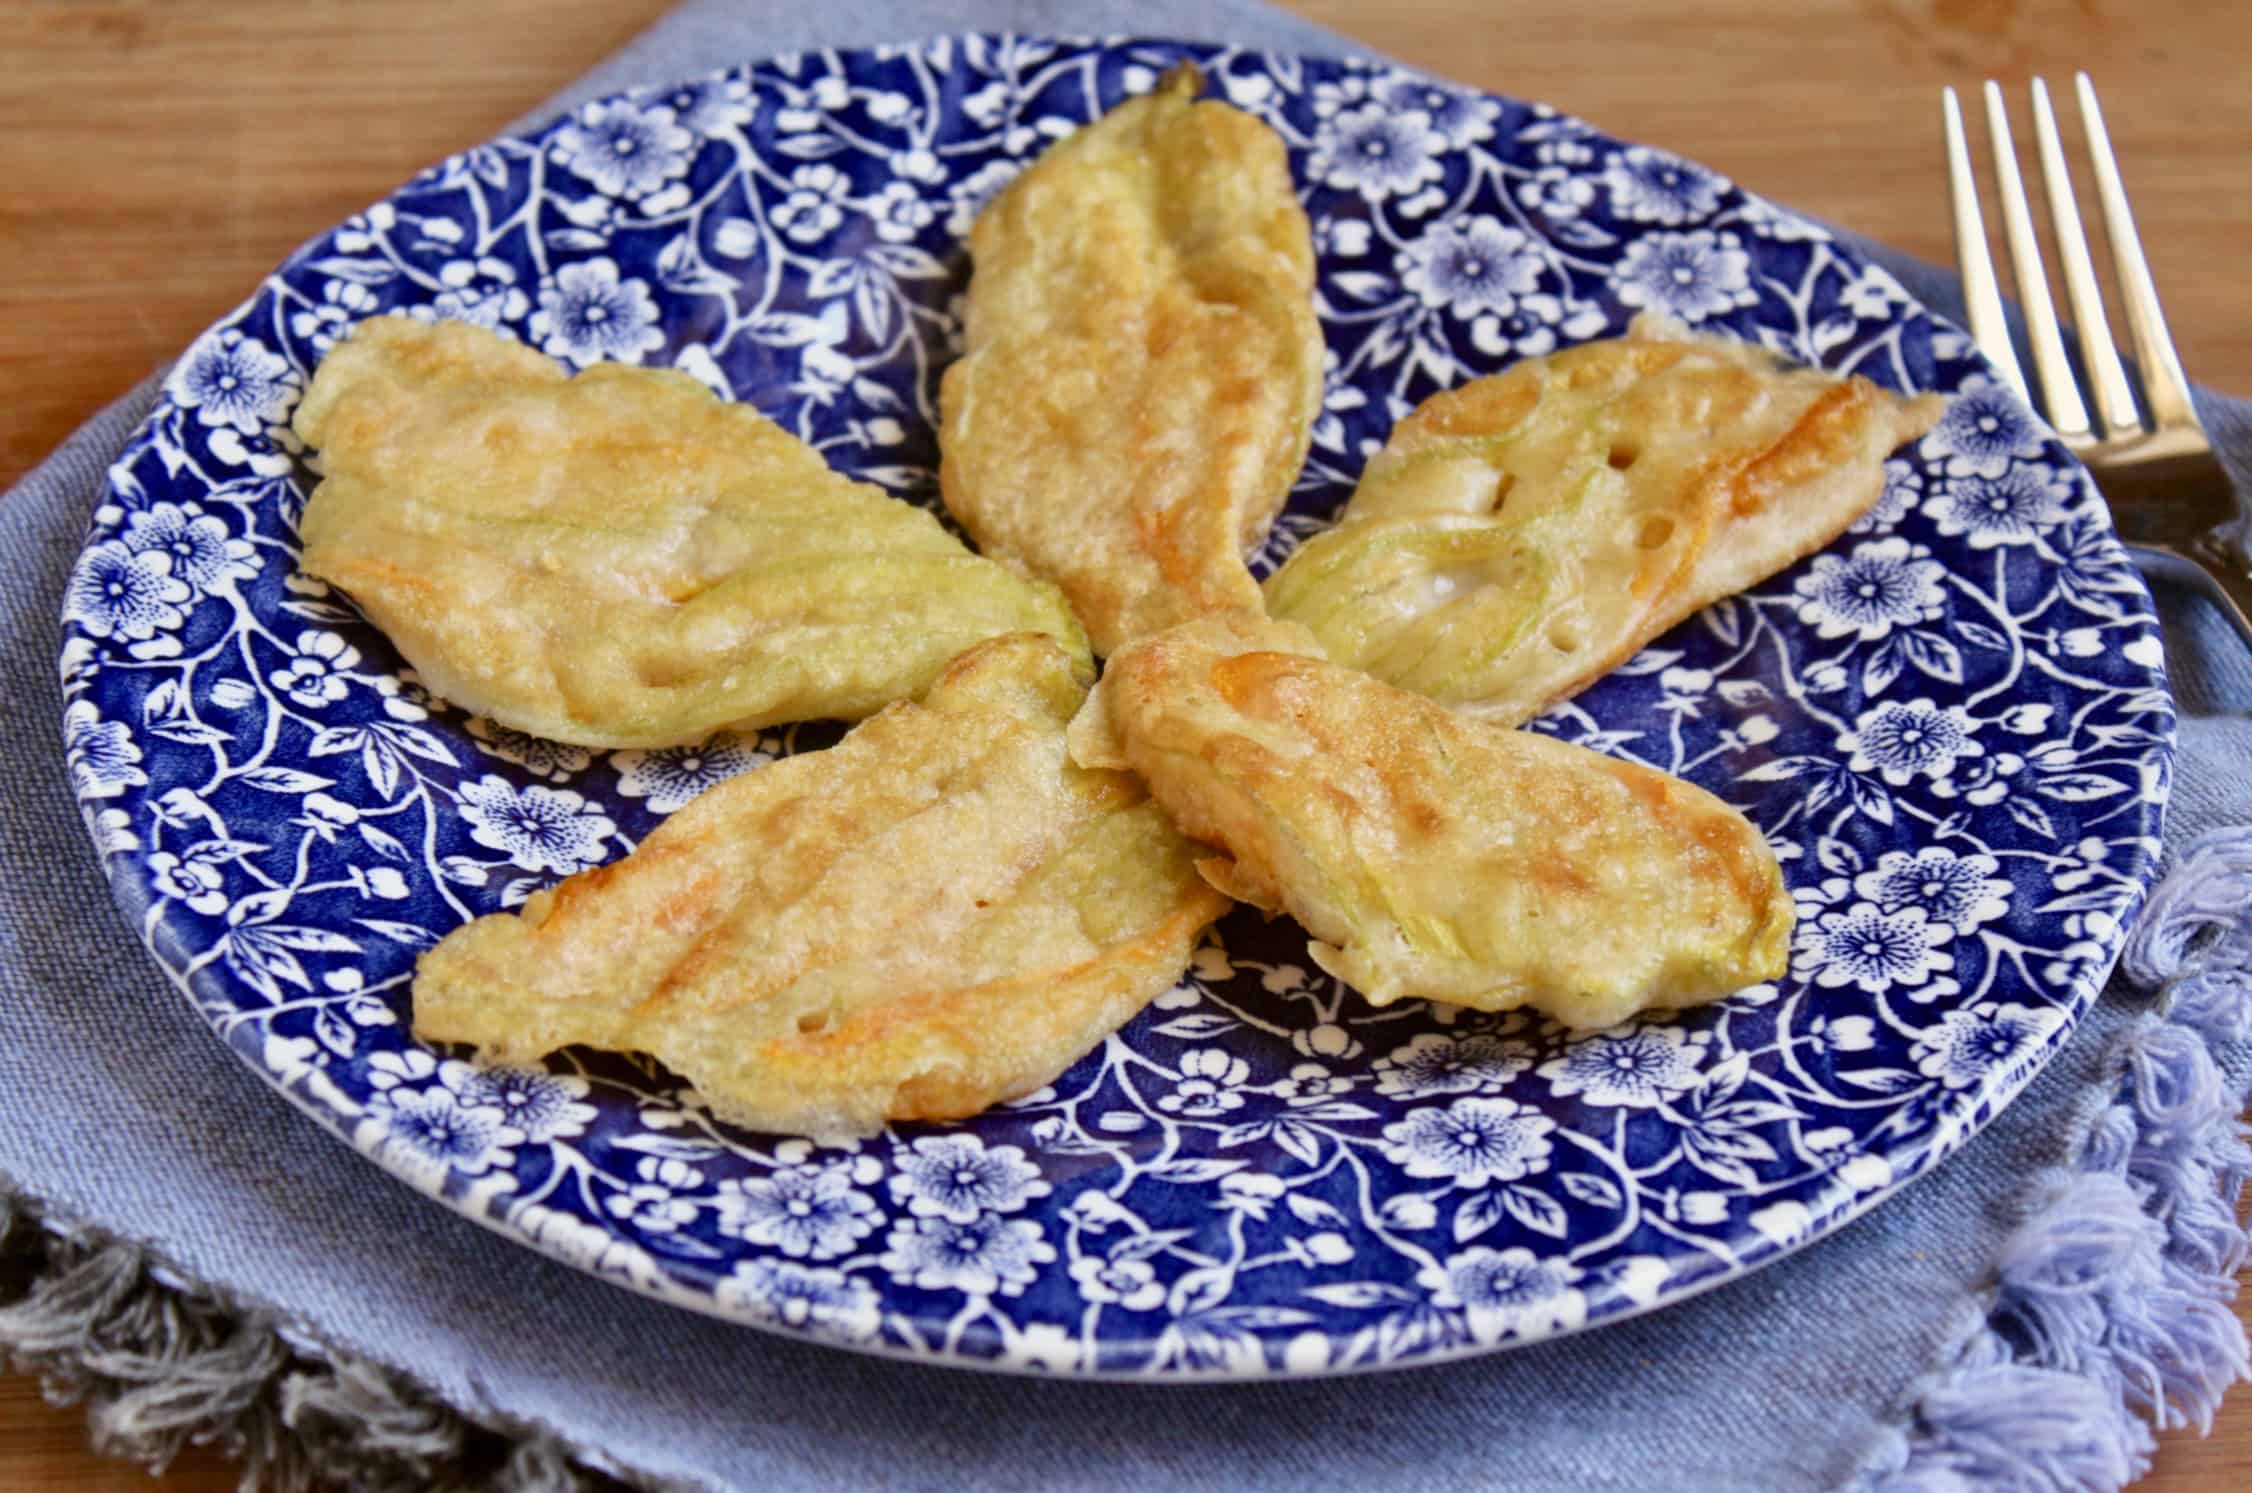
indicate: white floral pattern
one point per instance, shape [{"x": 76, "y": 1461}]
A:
[
  {"x": 827, "y": 1302},
  {"x": 1959, "y": 891},
  {"x": 1966, "y": 1046},
  {"x": 1631, "y": 1067},
  {"x": 101, "y": 755},
  {"x": 589, "y": 314},
  {"x": 805, "y": 1211},
  {"x": 430, "y": 1134},
  {"x": 1440, "y": 1063},
  {"x": 541, "y": 1106},
  {"x": 1915, "y": 738},
  {"x": 2010, "y": 508},
  {"x": 1982, "y": 432},
  {"x": 1867, "y": 594},
  {"x": 958, "y": 1177},
  {"x": 205, "y": 557},
  {"x": 1508, "y": 1293},
  {"x": 234, "y": 381},
  {"x": 1649, "y": 186},
  {"x": 1379, "y": 152},
  {"x": 1472, "y": 265},
  {"x": 1694, "y": 276},
  {"x": 624, "y": 149},
  {"x": 118, "y": 591},
  {"x": 668, "y": 777},
  {"x": 342, "y": 303},
  {"x": 984, "y": 1255},
  {"x": 1872, "y": 949},
  {"x": 814, "y": 205},
  {"x": 557, "y": 761},
  {"x": 319, "y": 672},
  {"x": 1471, "y": 1142},
  {"x": 1950, "y": 725},
  {"x": 540, "y": 829},
  {"x": 711, "y": 106},
  {"x": 1463, "y": 116},
  {"x": 482, "y": 292}
]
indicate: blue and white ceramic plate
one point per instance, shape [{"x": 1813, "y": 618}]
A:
[{"x": 1953, "y": 725}]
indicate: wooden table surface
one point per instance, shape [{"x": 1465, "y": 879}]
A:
[{"x": 158, "y": 158}]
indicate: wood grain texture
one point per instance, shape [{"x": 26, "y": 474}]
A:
[{"x": 160, "y": 158}]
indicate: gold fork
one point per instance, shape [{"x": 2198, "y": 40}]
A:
[{"x": 2168, "y": 493}]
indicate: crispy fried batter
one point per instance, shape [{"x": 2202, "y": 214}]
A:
[
  {"x": 1522, "y": 535},
  {"x": 935, "y": 915},
  {"x": 1431, "y": 855},
  {"x": 1143, "y": 363},
  {"x": 619, "y": 559}
]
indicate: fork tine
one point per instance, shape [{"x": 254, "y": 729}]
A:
[
  {"x": 2098, "y": 354},
  {"x": 2060, "y": 393},
  {"x": 2163, "y": 382},
  {"x": 1980, "y": 296}
]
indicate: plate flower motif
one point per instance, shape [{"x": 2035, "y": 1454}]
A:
[
  {"x": 232, "y": 380},
  {"x": 1959, "y": 891},
  {"x": 2009, "y": 508},
  {"x": 198, "y": 883},
  {"x": 668, "y": 777},
  {"x": 1465, "y": 117},
  {"x": 1471, "y": 1142},
  {"x": 1470, "y": 265},
  {"x": 624, "y": 149},
  {"x": 1649, "y": 186},
  {"x": 1968, "y": 1045},
  {"x": 1379, "y": 152},
  {"x": 1911, "y": 739},
  {"x": 1124, "y": 1282},
  {"x": 589, "y": 314},
  {"x": 482, "y": 292},
  {"x": 540, "y": 829},
  {"x": 206, "y": 556},
  {"x": 557, "y": 761},
  {"x": 1952, "y": 724},
  {"x": 1507, "y": 1293},
  {"x": 976, "y": 1257},
  {"x": 1983, "y": 431},
  {"x": 1629, "y": 1067},
  {"x": 826, "y": 1302},
  {"x": 428, "y": 1131},
  {"x": 318, "y": 673},
  {"x": 709, "y": 106},
  {"x": 542, "y": 1106},
  {"x": 1436, "y": 1063},
  {"x": 1870, "y": 949},
  {"x": 1867, "y": 594},
  {"x": 811, "y": 1212},
  {"x": 957, "y": 1177},
  {"x": 101, "y": 755},
  {"x": 1694, "y": 276},
  {"x": 119, "y": 591}
]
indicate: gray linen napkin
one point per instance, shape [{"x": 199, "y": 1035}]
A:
[{"x": 121, "y": 1112}]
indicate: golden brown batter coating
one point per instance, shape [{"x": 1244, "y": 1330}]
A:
[
  {"x": 1522, "y": 535},
  {"x": 1432, "y": 855},
  {"x": 935, "y": 915},
  {"x": 619, "y": 559},
  {"x": 1143, "y": 363}
]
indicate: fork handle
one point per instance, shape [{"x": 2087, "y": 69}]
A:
[{"x": 2215, "y": 573}]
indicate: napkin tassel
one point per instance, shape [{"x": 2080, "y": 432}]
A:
[
  {"x": 2110, "y": 1302},
  {"x": 163, "y": 1366},
  {"x": 1988, "y": 1420}
]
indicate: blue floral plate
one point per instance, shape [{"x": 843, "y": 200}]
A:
[{"x": 1953, "y": 725}]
